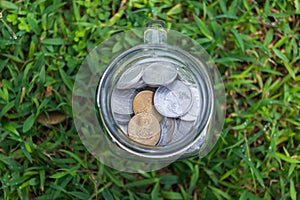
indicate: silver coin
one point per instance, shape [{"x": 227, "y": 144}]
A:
[
  {"x": 124, "y": 128},
  {"x": 121, "y": 101},
  {"x": 130, "y": 77},
  {"x": 185, "y": 76},
  {"x": 168, "y": 127},
  {"x": 139, "y": 84},
  {"x": 183, "y": 129},
  {"x": 194, "y": 112},
  {"x": 122, "y": 118},
  {"x": 173, "y": 100},
  {"x": 159, "y": 73}
]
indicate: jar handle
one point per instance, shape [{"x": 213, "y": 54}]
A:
[{"x": 155, "y": 32}]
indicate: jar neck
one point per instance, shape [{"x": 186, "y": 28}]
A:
[{"x": 155, "y": 32}]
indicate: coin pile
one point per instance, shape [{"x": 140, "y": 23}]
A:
[{"x": 154, "y": 104}]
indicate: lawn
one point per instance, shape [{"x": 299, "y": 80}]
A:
[{"x": 254, "y": 44}]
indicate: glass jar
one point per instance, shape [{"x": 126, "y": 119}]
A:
[{"x": 188, "y": 99}]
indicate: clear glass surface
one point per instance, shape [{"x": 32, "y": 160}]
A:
[{"x": 103, "y": 132}]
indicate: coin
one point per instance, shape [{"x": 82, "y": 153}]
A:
[
  {"x": 183, "y": 129},
  {"x": 130, "y": 78},
  {"x": 156, "y": 114},
  {"x": 151, "y": 141},
  {"x": 184, "y": 76},
  {"x": 123, "y": 128},
  {"x": 139, "y": 84},
  {"x": 194, "y": 112},
  {"x": 143, "y": 102},
  {"x": 144, "y": 128},
  {"x": 168, "y": 127},
  {"x": 173, "y": 100},
  {"x": 122, "y": 118},
  {"x": 121, "y": 101},
  {"x": 159, "y": 73}
]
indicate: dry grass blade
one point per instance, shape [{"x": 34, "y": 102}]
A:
[{"x": 52, "y": 118}]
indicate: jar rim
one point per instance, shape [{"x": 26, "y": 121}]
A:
[{"x": 175, "y": 149}]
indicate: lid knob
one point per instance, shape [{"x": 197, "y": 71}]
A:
[{"x": 155, "y": 32}]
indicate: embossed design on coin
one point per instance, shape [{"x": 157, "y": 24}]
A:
[
  {"x": 173, "y": 100},
  {"x": 168, "y": 127},
  {"x": 131, "y": 78},
  {"x": 159, "y": 73},
  {"x": 121, "y": 101},
  {"x": 144, "y": 128},
  {"x": 194, "y": 112}
]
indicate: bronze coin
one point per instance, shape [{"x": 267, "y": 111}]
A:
[
  {"x": 156, "y": 114},
  {"x": 144, "y": 128},
  {"x": 143, "y": 102}
]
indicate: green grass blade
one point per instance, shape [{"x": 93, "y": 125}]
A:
[
  {"x": 28, "y": 123},
  {"x": 252, "y": 168},
  {"x": 202, "y": 27}
]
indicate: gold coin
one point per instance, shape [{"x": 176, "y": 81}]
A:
[
  {"x": 144, "y": 128},
  {"x": 143, "y": 102},
  {"x": 151, "y": 141},
  {"x": 156, "y": 114}
]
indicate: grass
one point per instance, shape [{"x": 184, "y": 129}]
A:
[{"x": 255, "y": 45}]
